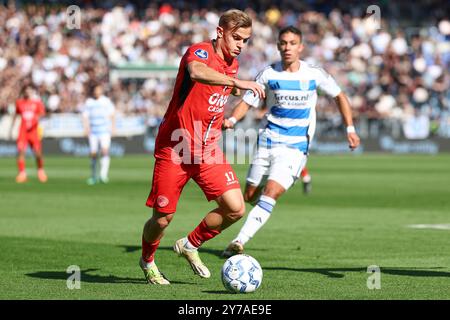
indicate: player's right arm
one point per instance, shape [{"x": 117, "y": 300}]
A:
[
  {"x": 13, "y": 122},
  {"x": 200, "y": 72},
  {"x": 86, "y": 124}
]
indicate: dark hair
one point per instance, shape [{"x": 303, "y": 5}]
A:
[
  {"x": 290, "y": 29},
  {"x": 25, "y": 87},
  {"x": 91, "y": 88}
]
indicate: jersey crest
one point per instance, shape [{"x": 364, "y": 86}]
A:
[{"x": 202, "y": 54}]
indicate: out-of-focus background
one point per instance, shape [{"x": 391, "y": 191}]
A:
[
  {"x": 376, "y": 208},
  {"x": 394, "y": 69}
]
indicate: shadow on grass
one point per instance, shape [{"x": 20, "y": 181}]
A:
[
  {"x": 87, "y": 276},
  {"x": 338, "y": 272},
  {"x": 130, "y": 249},
  {"x": 215, "y": 252},
  {"x": 219, "y": 292}
]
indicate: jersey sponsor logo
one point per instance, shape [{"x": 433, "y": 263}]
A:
[
  {"x": 215, "y": 109},
  {"x": 162, "y": 201},
  {"x": 216, "y": 102},
  {"x": 218, "y": 99},
  {"x": 202, "y": 54},
  {"x": 281, "y": 97},
  {"x": 28, "y": 115}
]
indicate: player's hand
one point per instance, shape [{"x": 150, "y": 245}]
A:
[
  {"x": 256, "y": 88},
  {"x": 353, "y": 140},
  {"x": 227, "y": 124}
]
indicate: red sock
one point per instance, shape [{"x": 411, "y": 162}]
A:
[
  {"x": 201, "y": 234},
  {"x": 304, "y": 172},
  {"x": 21, "y": 165},
  {"x": 148, "y": 250},
  {"x": 40, "y": 163}
]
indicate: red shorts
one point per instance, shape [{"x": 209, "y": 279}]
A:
[
  {"x": 30, "y": 138},
  {"x": 169, "y": 179}
]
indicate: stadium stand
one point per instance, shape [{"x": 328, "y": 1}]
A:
[{"x": 392, "y": 74}]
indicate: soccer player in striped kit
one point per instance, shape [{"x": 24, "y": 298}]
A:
[
  {"x": 282, "y": 148},
  {"x": 99, "y": 123}
]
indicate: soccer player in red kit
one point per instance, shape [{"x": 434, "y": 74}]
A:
[
  {"x": 30, "y": 109},
  {"x": 187, "y": 140}
]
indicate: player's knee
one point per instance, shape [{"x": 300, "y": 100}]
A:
[
  {"x": 236, "y": 211},
  {"x": 273, "y": 190},
  {"x": 241, "y": 212},
  {"x": 252, "y": 194},
  {"x": 163, "y": 222},
  {"x": 248, "y": 195},
  {"x": 274, "y": 194}
]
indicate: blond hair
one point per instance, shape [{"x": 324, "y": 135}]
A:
[{"x": 234, "y": 19}]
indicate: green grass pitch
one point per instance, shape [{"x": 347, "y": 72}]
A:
[{"x": 314, "y": 247}]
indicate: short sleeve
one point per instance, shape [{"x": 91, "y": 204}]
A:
[
  {"x": 252, "y": 99},
  {"x": 17, "y": 107},
  {"x": 327, "y": 83},
  {"x": 197, "y": 53}
]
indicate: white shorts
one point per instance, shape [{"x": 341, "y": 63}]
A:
[
  {"x": 104, "y": 140},
  {"x": 281, "y": 164}
]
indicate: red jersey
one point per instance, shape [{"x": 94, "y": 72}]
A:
[
  {"x": 196, "y": 109},
  {"x": 30, "y": 111}
]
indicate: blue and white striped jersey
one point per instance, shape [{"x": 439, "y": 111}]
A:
[
  {"x": 291, "y": 98},
  {"x": 99, "y": 112}
]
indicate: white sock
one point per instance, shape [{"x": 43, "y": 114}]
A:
[
  {"x": 257, "y": 217},
  {"x": 306, "y": 179},
  {"x": 148, "y": 265},
  {"x": 104, "y": 167},
  {"x": 188, "y": 245}
]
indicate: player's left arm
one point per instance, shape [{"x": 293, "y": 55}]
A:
[
  {"x": 12, "y": 126},
  {"x": 40, "y": 115},
  {"x": 328, "y": 85},
  {"x": 113, "y": 123},
  {"x": 346, "y": 112},
  {"x": 41, "y": 112}
]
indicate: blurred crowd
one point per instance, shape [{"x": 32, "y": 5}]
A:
[{"x": 388, "y": 70}]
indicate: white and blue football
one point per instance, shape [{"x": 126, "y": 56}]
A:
[{"x": 242, "y": 274}]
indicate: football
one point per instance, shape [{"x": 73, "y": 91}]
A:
[{"x": 241, "y": 274}]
